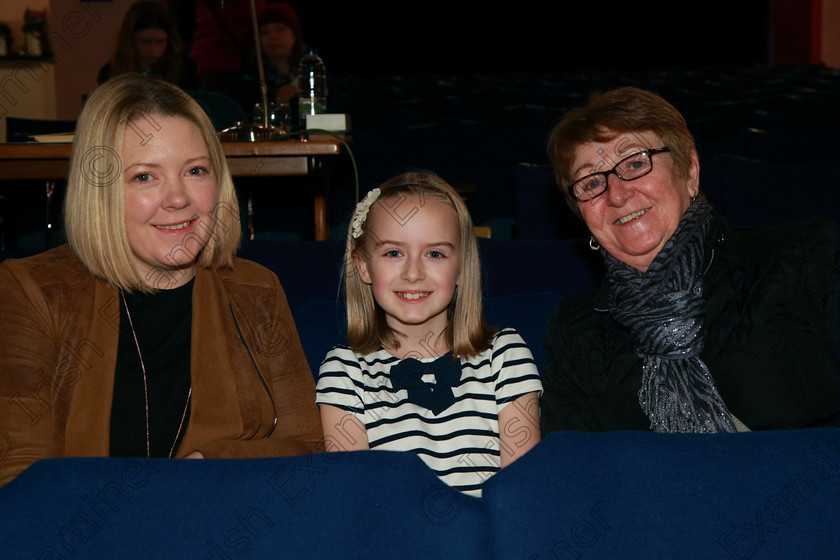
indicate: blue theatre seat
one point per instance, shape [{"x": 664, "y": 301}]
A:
[
  {"x": 321, "y": 324},
  {"x": 372, "y": 504},
  {"x": 754, "y": 192},
  {"x": 684, "y": 496}
]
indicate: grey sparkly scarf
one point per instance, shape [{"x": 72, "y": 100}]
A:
[{"x": 664, "y": 309}]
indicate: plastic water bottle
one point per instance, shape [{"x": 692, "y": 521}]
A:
[{"x": 312, "y": 85}]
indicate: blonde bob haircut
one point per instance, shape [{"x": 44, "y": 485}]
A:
[
  {"x": 467, "y": 333},
  {"x": 626, "y": 110},
  {"x": 94, "y": 208}
]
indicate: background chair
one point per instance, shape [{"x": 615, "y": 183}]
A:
[
  {"x": 754, "y": 192},
  {"x": 222, "y": 109},
  {"x": 773, "y": 494},
  {"x": 523, "y": 281},
  {"x": 541, "y": 209},
  {"x": 321, "y": 324},
  {"x": 807, "y": 145}
]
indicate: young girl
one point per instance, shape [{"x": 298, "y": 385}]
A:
[{"x": 423, "y": 372}]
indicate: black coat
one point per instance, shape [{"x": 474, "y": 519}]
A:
[{"x": 772, "y": 337}]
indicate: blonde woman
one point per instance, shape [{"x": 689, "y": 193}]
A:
[{"x": 145, "y": 335}]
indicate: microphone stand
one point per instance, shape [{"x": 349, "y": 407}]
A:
[
  {"x": 256, "y": 132},
  {"x": 260, "y": 67}
]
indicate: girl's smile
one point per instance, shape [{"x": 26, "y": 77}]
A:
[{"x": 414, "y": 296}]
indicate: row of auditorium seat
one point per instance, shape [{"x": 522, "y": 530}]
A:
[
  {"x": 489, "y": 132},
  {"x": 745, "y": 190},
  {"x": 617, "y": 495}
]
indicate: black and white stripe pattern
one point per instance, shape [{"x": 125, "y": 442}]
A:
[{"x": 462, "y": 443}]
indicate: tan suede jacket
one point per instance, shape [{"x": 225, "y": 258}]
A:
[{"x": 253, "y": 394}]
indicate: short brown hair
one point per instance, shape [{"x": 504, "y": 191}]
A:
[
  {"x": 94, "y": 207},
  {"x": 607, "y": 115},
  {"x": 467, "y": 333}
]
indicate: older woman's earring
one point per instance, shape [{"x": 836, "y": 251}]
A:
[{"x": 593, "y": 244}]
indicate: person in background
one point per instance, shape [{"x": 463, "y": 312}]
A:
[
  {"x": 699, "y": 326},
  {"x": 144, "y": 335},
  {"x": 149, "y": 43},
  {"x": 422, "y": 371},
  {"x": 222, "y": 37},
  {"x": 281, "y": 41}
]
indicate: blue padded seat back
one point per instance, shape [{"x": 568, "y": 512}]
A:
[
  {"x": 311, "y": 270},
  {"x": 753, "y": 192},
  {"x": 367, "y": 504},
  {"x": 528, "y": 314},
  {"x": 321, "y": 324},
  {"x": 773, "y": 494}
]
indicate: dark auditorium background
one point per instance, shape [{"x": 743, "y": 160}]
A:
[
  {"x": 471, "y": 90},
  {"x": 467, "y": 37},
  {"x": 532, "y": 36}
]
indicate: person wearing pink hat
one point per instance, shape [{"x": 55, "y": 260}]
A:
[{"x": 281, "y": 41}]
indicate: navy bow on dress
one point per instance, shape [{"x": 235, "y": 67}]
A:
[{"x": 408, "y": 374}]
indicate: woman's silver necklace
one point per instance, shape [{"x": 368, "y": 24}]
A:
[{"x": 146, "y": 389}]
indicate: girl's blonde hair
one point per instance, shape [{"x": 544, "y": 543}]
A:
[
  {"x": 467, "y": 333},
  {"x": 94, "y": 207}
]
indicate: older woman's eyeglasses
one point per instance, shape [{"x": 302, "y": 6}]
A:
[{"x": 630, "y": 168}]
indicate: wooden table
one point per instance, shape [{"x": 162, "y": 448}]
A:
[{"x": 293, "y": 157}]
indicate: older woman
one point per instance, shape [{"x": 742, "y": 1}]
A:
[
  {"x": 698, "y": 327},
  {"x": 144, "y": 335}
]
